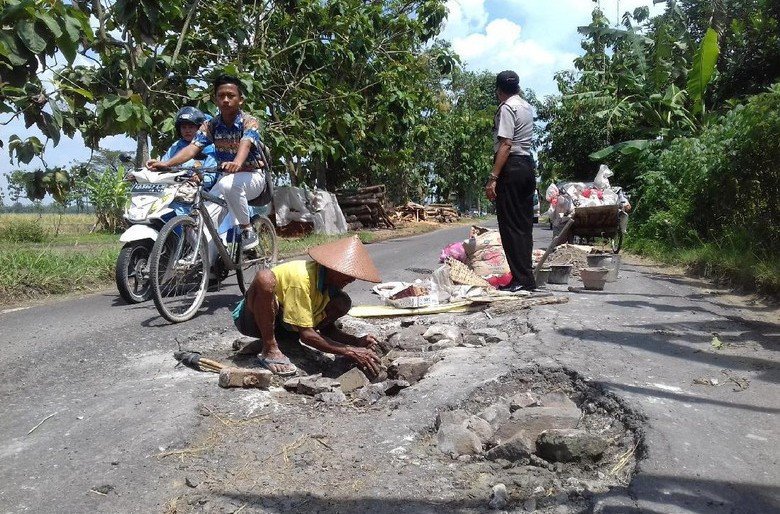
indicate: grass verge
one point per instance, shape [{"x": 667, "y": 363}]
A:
[
  {"x": 734, "y": 261},
  {"x": 73, "y": 262}
]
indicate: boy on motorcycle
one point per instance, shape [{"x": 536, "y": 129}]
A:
[
  {"x": 187, "y": 122},
  {"x": 236, "y": 137}
]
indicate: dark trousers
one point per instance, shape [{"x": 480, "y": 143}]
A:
[{"x": 515, "y": 208}]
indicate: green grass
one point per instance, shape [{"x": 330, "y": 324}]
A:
[
  {"x": 735, "y": 261},
  {"x": 29, "y": 272}
]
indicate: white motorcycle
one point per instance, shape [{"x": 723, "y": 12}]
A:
[{"x": 152, "y": 203}]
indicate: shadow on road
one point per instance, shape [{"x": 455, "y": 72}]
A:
[
  {"x": 685, "y": 398},
  {"x": 662, "y": 345}
]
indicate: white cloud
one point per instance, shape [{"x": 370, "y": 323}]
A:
[{"x": 534, "y": 38}]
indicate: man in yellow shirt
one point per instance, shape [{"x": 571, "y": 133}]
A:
[{"x": 307, "y": 297}]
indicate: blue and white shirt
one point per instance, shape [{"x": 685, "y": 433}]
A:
[{"x": 227, "y": 138}]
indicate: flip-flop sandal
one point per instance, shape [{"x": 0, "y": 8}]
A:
[{"x": 266, "y": 363}]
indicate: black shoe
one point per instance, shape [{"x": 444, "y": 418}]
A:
[{"x": 515, "y": 287}]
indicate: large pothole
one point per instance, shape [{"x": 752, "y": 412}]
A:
[{"x": 541, "y": 439}]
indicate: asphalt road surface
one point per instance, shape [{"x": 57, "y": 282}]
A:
[{"x": 89, "y": 397}]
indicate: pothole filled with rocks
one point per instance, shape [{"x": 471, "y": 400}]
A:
[{"x": 540, "y": 439}]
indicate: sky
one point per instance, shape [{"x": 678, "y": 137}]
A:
[{"x": 535, "y": 38}]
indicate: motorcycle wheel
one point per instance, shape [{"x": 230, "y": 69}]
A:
[
  {"x": 132, "y": 272},
  {"x": 263, "y": 256},
  {"x": 179, "y": 276}
]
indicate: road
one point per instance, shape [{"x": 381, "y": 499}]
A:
[{"x": 99, "y": 376}]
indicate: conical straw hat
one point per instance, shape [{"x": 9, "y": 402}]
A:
[{"x": 347, "y": 256}]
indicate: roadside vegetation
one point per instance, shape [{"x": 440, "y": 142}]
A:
[
  {"x": 682, "y": 106},
  {"x": 685, "y": 108}
]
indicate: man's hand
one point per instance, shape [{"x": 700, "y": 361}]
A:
[
  {"x": 368, "y": 341},
  {"x": 366, "y": 359},
  {"x": 490, "y": 190},
  {"x": 231, "y": 167},
  {"x": 154, "y": 164}
]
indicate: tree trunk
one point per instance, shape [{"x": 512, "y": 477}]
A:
[{"x": 141, "y": 149}]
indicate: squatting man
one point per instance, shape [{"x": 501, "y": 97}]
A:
[{"x": 307, "y": 297}]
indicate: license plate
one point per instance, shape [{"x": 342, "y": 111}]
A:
[{"x": 148, "y": 188}]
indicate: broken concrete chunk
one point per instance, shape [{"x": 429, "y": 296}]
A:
[
  {"x": 352, "y": 380},
  {"x": 452, "y": 417},
  {"x": 557, "y": 399},
  {"x": 393, "y": 387},
  {"x": 409, "y": 338},
  {"x": 570, "y": 445},
  {"x": 535, "y": 420},
  {"x": 456, "y": 440},
  {"x": 442, "y": 344},
  {"x": 241, "y": 377},
  {"x": 355, "y": 326},
  {"x": 495, "y": 414},
  {"x": 491, "y": 335},
  {"x": 292, "y": 384},
  {"x": 436, "y": 333},
  {"x": 474, "y": 340},
  {"x": 331, "y": 398},
  {"x": 519, "y": 446},
  {"x": 371, "y": 393},
  {"x": 522, "y": 400},
  {"x": 411, "y": 369},
  {"x": 498, "y": 497},
  {"x": 313, "y": 385},
  {"x": 482, "y": 428}
]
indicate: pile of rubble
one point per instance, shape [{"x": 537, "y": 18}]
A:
[
  {"x": 576, "y": 255},
  {"x": 407, "y": 355},
  {"x": 411, "y": 211}
]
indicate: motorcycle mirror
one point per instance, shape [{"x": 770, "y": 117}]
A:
[{"x": 125, "y": 157}]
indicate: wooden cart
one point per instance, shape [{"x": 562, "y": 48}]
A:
[{"x": 604, "y": 221}]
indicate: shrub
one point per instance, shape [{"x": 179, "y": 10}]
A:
[{"x": 23, "y": 231}]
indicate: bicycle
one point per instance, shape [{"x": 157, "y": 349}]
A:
[{"x": 179, "y": 262}]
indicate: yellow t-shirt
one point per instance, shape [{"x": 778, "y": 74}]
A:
[{"x": 303, "y": 304}]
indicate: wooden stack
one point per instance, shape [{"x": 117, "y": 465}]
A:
[
  {"x": 365, "y": 207},
  {"x": 441, "y": 213}
]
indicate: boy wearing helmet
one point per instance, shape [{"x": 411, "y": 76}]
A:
[{"x": 188, "y": 121}]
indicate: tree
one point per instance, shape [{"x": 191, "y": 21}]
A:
[{"x": 36, "y": 35}]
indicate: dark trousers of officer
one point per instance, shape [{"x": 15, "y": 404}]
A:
[{"x": 515, "y": 208}]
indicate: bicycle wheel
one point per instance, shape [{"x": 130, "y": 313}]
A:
[
  {"x": 178, "y": 272},
  {"x": 263, "y": 256}
]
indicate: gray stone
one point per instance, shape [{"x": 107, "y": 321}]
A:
[
  {"x": 498, "y": 498},
  {"x": 336, "y": 397},
  {"x": 371, "y": 393},
  {"x": 491, "y": 335},
  {"x": 482, "y": 428},
  {"x": 495, "y": 414},
  {"x": 456, "y": 440},
  {"x": 452, "y": 417},
  {"x": 436, "y": 333},
  {"x": 520, "y": 446},
  {"x": 393, "y": 387},
  {"x": 522, "y": 400},
  {"x": 355, "y": 326},
  {"x": 442, "y": 344},
  {"x": 474, "y": 340},
  {"x": 352, "y": 380},
  {"x": 557, "y": 399},
  {"x": 570, "y": 445},
  {"x": 529, "y": 505},
  {"x": 313, "y": 385},
  {"x": 411, "y": 369},
  {"x": 292, "y": 384},
  {"x": 535, "y": 420},
  {"x": 409, "y": 338}
]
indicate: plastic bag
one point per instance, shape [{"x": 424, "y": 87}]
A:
[
  {"x": 552, "y": 192},
  {"x": 454, "y": 250},
  {"x": 602, "y": 177}
]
